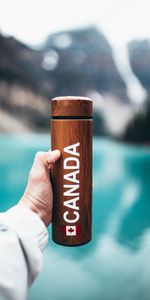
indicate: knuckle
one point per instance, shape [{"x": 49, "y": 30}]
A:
[
  {"x": 51, "y": 157},
  {"x": 39, "y": 155},
  {"x": 36, "y": 175},
  {"x": 32, "y": 175}
]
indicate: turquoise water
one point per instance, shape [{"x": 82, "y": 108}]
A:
[{"x": 116, "y": 264}]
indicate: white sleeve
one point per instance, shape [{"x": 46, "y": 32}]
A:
[{"x": 23, "y": 236}]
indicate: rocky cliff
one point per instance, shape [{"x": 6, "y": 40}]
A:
[
  {"x": 84, "y": 62},
  {"x": 68, "y": 63},
  {"x": 139, "y": 52}
]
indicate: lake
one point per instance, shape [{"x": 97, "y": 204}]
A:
[{"x": 115, "y": 264}]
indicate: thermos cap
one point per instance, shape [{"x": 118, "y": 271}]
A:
[{"x": 72, "y": 106}]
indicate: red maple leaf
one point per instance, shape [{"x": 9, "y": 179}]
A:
[{"x": 70, "y": 230}]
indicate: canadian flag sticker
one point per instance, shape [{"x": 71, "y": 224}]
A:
[{"x": 71, "y": 230}]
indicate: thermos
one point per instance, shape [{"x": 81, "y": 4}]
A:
[{"x": 71, "y": 175}]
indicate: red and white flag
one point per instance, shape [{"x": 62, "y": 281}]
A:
[{"x": 71, "y": 230}]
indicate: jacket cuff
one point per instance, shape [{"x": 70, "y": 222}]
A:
[{"x": 26, "y": 222}]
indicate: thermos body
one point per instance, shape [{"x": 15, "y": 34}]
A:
[{"x": 71, "y": 175}]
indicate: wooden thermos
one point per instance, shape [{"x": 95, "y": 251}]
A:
[{"x": 71, "y": 175}]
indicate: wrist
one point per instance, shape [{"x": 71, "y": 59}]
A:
[
  {"x": 26, "y": 224},
  {"x": 28, "y": 201}
]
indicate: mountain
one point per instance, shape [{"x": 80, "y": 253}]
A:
[
  {"x": 84, "y": 61},
  {"x": 23, "y": 87},
  {"x": 73, "y": 62},
  {"x": 139, "y": 53},
  {"x": 21, "y": 64},
  {"x": 138, "y": 129}
]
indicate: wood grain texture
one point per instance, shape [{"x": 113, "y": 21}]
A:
[
  {"x": 63, "y": 134},
  {"x": 72, "y": 106}
]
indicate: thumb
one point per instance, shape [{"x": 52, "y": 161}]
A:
[
  {"x": 53, "y": 156},
  {"x": 43, "y": 161},
  {"x": 46, "y": 158}
]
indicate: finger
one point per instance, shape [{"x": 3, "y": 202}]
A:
[
  {"x": 44, "y": 159},
  {"x": 53, "y": 156},
  {"x": 42, "y": 163}
]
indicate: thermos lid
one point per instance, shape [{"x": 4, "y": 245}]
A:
[{"x": 72, "y": 106}]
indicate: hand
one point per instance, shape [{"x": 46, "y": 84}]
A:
[{"x": 38, "y": 195}]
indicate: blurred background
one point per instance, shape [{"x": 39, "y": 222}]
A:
[{"x": 99, "y": 49}]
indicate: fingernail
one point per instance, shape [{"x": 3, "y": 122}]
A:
[{"x": 57, "y": 152}]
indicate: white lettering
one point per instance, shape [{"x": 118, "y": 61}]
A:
[
  {"x": 71, "y": 159},
  {"x": 71, "y": 189},
  {"x": 71, "y": 163},
  {"x": 72, "y": 203},
  {"x": 71, "y": 220},
  {"x": 72, "y": 176},
  {"x": 73, "y": 151}
]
